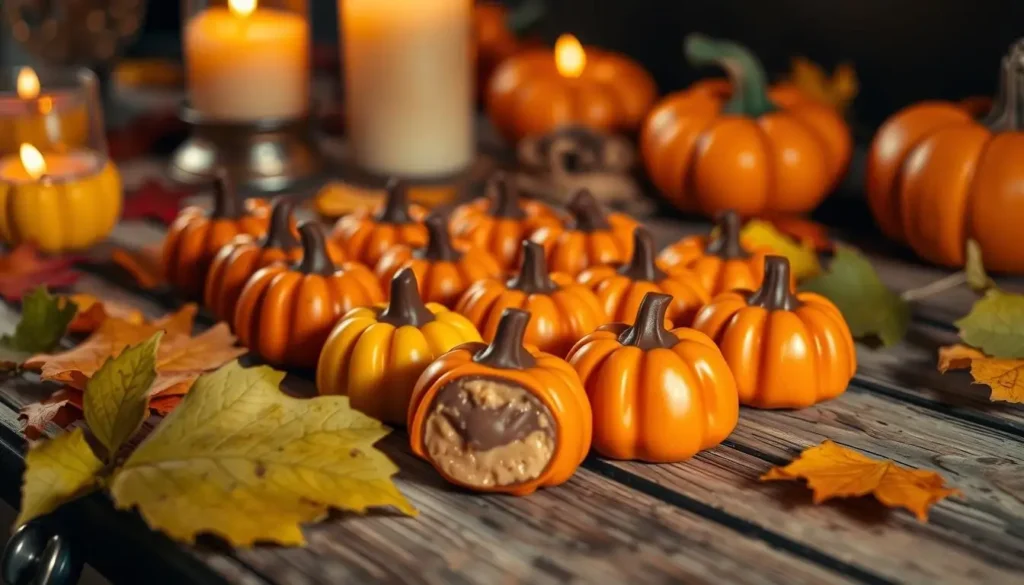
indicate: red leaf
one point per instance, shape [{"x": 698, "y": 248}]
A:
[
  {"x": 152, "y": 200},
  {"x": 62, "y": 408},
  {"x": 24, "y": 269},
  {"x": 163, "y": 405}
]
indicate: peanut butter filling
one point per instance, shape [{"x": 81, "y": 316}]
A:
[{"x": 484, "y": 432}]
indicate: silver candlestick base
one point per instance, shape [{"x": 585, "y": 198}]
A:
[{"x": 266, "y": 155}]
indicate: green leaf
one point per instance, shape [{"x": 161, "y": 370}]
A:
[
  {"x": 44, "y": 320},
  {"x": 995, "y": 325},
  {"x": 57, "y": 471},
  {"x": 116, "y": 398},
  {"x": 871, "y": 309},
  {"x": 977, "y": 278}
]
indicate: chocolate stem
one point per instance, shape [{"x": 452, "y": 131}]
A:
[
  {"x": 641, "y": 266},
  {"x": 315, "y": 259},
  {"x": 774, "y": 293},
  {"x": 587, "y": 212},
  {"x": 439, "y": 240},
  {"x": 533, "y": 271},
  {"x": 280, "y": 235},
  {"x": 1006, "y": 114},
  {"x": 406, "y": 306},
  {"x": 648, "y": 330},
  {"x": 505, "y": 202},
  {"x": 226, "y": 204},
  {"x": 726, "y": 244},
  {"x": 507, "y": 351},
  {"x": 396, "y": 204}
]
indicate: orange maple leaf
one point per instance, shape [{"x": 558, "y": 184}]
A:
[
  {"x": 92, "y": 312},
  {"x": 833, "y": 471},
  {"x": 142, "y": 265},
  {"x": 1004, "y": 376}
]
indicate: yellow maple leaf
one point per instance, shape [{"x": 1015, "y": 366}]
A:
[
  {"x": 803, "y": 260},
  {"x": 833, "y": 471},
  {"x": 57, "y": 471},
  {"x": 241, "y": 459},
  {"x": 1005, "y": 376},
  {"x": 957, "y": 357},
  {"x": 116, "y": 398}
]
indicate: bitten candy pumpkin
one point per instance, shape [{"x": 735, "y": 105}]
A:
[
  {"x": 195, "y": 236},
  {"x": 375, "y": 354},
  {"x": 785, "y": 349},
  {"x": 937, "y": 177},
  {"x": 738, "y": 145},
  {"x": 592, "y": 238},
  {"x": 502, "y": 417},
  {"x": 367, "y": 234},
  {"x": 657, "y": 395},
  {"x": 286, "y": 312},
  {"x": 444, "y": 269},
  {"x": 721, "y": 262},
  {"x": 243, "y": 256},
  {"x": 563, "y": 311},
  {"x": 621, "y": 288}
]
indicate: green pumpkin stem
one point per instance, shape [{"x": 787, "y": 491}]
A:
[
  {"x": 642, "y": 266},
  {"x": 226, "y": 203},
  {"x": 396, "y": 204},
  {"x": 507, "y": 351},
  {"x": 726, "y": 243},
  {"x": 1007, "y": 113},
  {"x": 648, "y": 330},
  {"x": 439, "y": 240},
  {"x": 587, "y": 212},
  {"x": 504, "y": 198},
  {"x": 775, "y": 293},
  {"x": 406, "y": 306},
  {"x": 533, "y": 277},
  {"x": 279, "y": 234},
  {"x": 315, "y": 259},
  {"x": 746, "y": 74}
]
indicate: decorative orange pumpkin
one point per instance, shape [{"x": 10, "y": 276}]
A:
[
  {"x": 375, "y": 354},
  {"x": 937, "y": 177},
  {"x": 468, "y": 214},
  {"x": 563, "y": 311},
  {"x": 621, "y": 288},
  {"x": 286, "y": 312},
  {"x": 592, "y": 239},
  {"x": 786, "y": 350},
  {"x": 721, "y": 262},
  {"x": 657, "y": 395},
  {"x": 366, "y": 235},
  {"x": 755, "y": 150},
  {"x": 529, "y": 96},
  {"x": 196, "y": 235},
  {"x": 502, "y": 417},
  {"x": 444, "y": 270},
  {"x": 244, "y": 255},
  {"x": 502, "y": 229}
]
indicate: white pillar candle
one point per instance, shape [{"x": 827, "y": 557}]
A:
[
  {"x": 247, "y": 63},
  {"x": 408, "y": 85}
]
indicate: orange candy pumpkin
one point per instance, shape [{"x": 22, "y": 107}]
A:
[
  {"x": 196, "y": 235},
  {"x": 502, "y": 417},
  {"x": 657, "y": 395},
  {"x": 721, "y": 262},
  {"x": 367, "y": 234},
  {"x": 244, "y": 255},
  {"x": 621, "y": 288},
  {"x": 754, "y": 150},
  {"x": 468, "y": 213},
  {"x": 286, "y": 312},
  {"x": 786, "y": 350},
  {"x": 563, "y": 311},
  {"x": 444, "y": 270},
  {"x": 937, "y": 177},
  {"x": 593, "y": 238}
]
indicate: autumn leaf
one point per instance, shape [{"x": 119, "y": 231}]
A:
[
  {"x": 833, "y": 471},
  {"x": 957, "y": 357},
  {"x": 61, "y": 408},
  {"x": 241, "y": 459},
  {"x": 57, "y": 471},
  {"x": 836, "y": 90},
  {"x": 143, "y": 266},
  {"x": 801, "y": 229},
  {"x": 870, "y": 308},
  {"x": 92, "y": 312},
  {"x": 44, "y": 320},
  {"x": 117, "y": 397},
  {"x": 163, "y": 405},
  {"x": 336, "y": 199},
  {"x": 995, "y": 324},
  {"x": 153, "y": 200},
  {"x": 1004, "y": 376},
  {"x": 803, "y": 260},
  {"x": 24, "y": 269}
]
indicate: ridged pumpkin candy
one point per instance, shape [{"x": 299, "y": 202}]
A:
[
  {"x": 368, "y": 233},
  {"x": 468, "y": 213},
  {"x": 592, "y": 238}
]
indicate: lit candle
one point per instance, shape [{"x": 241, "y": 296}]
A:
[
  {"x": 53, "y": 118},
  {"x": 408, "y": 83},
  {"x": 247, "y": 63}
]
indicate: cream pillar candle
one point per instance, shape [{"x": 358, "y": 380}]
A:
[
  {"x": 245, "y": 62},
  {"x": 408, "y": 85}
]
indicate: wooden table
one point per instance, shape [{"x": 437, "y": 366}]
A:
[{"x": 705, "y": 520}]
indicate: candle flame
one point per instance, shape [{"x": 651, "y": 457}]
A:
[
  {"x": 32, "y": 160},
  {"x": 570, "y": 58},
  {"x": 28, "y": 84},
  {"x": 242, "y": 8}
]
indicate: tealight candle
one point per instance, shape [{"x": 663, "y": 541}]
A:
[
  {"x": 248, "y": 61},
  {"x": 52, "y": 117}
]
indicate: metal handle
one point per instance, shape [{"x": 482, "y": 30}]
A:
[{"x": 38, "y": 555}]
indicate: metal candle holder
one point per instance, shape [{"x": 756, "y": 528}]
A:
[{"x": 263, "y": 155}]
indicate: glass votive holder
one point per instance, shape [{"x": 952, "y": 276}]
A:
[{"x": 59, "y": 190}]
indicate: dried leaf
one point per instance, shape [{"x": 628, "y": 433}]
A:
[
  {"x": 870, "y": 308},
  {"x": 801, "y": 229},
  {"x": 1004, "y": 376},
  {"x": 833, "y": 471},
  {"x": 44, "y": 320},
  {"x": 837, "y": 90},
  {"x": 995, "y": 324},
  {"x": 92, "y": 312},
  {"x": 57, "y": 471},
  {"x": 143, "y": 265},
  {"x": 153, "y": 200},
  {"x": 23, "y": 270},
  {"x": 977, "y": 278},
  {"x": 337, "y": 198},
  {"x": 61, "y": 408},
  {"x": 803, "y": 260},
  {"x": 117, "y": 397},
  {"x": 957, "y": 357},
  {"x": 241, "y": 459},
  {"x": 163, "y": 405}
]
